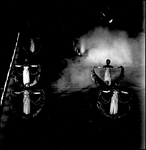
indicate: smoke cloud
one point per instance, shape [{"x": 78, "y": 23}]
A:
[{"x": 96, "y": 47}]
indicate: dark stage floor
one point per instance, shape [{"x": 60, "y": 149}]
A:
[{"x": 72, "y": 122}]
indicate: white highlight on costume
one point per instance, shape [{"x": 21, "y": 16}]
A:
[
  {"x": 26, "y": 75},
  {"x": 26, "y": 102},
  {"x": 32, "y": 46},
  {"x": 107, "y": 76},
  {"x": 82, "y": 48},
  {"x": 114, "y": 103}
]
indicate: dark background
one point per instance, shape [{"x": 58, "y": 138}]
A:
[{"x": 69, "y": 122}]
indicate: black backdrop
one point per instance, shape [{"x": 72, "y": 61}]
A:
[{"x": 69, "y": 122}]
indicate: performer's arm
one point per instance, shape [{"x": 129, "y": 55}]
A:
[
  {"x": 107, "y": 66},
  {"x": 122, "y": 73},
  {"x": 118, "y": 80},
  {"x": 35, "y": 81},
  {"x": 97, "y": 80}
]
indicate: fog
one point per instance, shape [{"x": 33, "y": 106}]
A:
[{"x": 95, "y": 47}]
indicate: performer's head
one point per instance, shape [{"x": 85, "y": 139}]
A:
[
  {"x": 26, "y": 62},
  {"x": 108, "y": 61}
]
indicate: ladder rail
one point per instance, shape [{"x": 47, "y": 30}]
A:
[{"x": 7, "y": 77}]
